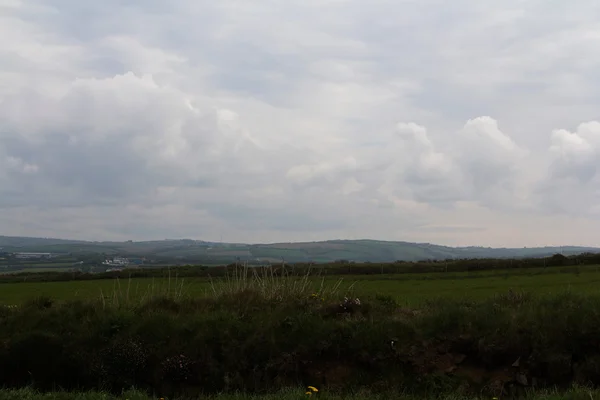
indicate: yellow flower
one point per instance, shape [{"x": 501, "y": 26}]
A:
[
  {"x": 314, "y": 389},
  {"x": 309, "y": 393}
]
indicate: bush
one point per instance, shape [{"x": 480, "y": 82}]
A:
[{"x": 264, "y": 334}]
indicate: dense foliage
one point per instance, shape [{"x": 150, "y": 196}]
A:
[
  {"x": 576, "y": 393},
  {"x": 258, "y": 341}
]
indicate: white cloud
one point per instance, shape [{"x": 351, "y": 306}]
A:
[
  {"x": 325, "y": 172},
  {"x": 572, "y": 180},
  {"x": 431, "y": 175},
  {"x": 267, "y": 120},
  {"x": 575, "y": 154}
]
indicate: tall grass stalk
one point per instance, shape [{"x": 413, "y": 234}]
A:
[
  {"x": 274, "y": 285},
  {"x": 128, "y": 297}
]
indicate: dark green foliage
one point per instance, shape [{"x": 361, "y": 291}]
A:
[
  {"x": 576, "y": 393},
  {"x": 242, "y": 342},
  {"x": 42, "y": 359},
  {"x": 121, "y": 363}
]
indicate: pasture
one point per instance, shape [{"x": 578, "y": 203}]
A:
[
  {"x": 407, "y": 289},
  {"x": 262, "y": 334}
]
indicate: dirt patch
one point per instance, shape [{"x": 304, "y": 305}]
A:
[
  {"x": 428, "y": 360},
  {"x": 431, "y": 358},
  {"x": 405, "y": 314},
  {"x": 330, "y": 374}
]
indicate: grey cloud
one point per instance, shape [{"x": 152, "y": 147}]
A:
[
  {"x": 121, "y": 137},
  {"x": 488, "y": 156},
  {"x": 570, "y": 184},
  {"x": 280, "y": 219},
  {"x": 575, "y": 154},
  {"x": 270, "y": 119},
  {"x": 452, "y": 228}
]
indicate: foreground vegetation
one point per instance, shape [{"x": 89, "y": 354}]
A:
[
  {"x": 259, "y": 334},
  {"x": 577, "y": 393}
]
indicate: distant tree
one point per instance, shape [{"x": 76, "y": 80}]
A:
[{"x": 558, "y": 259}]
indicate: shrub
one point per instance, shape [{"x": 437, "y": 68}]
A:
[{"x": 259, "y": 338}]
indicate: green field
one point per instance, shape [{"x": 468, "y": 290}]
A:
[
  {"x": 36, "y": 269},
  {"x": 259, "y": 335},
  {"x": 407, "y": 289}
]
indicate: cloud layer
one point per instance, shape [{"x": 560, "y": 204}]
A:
[{"x": 460, "y": 124}]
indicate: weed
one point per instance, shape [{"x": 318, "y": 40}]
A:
[
  {"x": 274, "y": 285},
  {"x": 260, "y": 331}
]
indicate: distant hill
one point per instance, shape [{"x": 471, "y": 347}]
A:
[{"x": 211, "y": 253}]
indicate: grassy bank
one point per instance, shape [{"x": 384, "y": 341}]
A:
[
  {"x": 577, "y": 393},
  {"x": 264, "y": 334}
]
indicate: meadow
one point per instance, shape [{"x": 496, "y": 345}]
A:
[
  {"x": 451, "y": 335},
  {"x": 407, "y": 289}
]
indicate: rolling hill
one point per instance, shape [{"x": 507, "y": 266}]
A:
[{"x": 211, "y": 253}]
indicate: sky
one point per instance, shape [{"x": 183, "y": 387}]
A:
[{"x": 471, "y": 122}]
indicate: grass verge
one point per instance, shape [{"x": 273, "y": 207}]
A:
[
  {"x": 259, "y": 334},
  {"x": 577, "y": 393}
]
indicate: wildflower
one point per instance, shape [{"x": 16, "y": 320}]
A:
[{"x": 312, "y": 388}]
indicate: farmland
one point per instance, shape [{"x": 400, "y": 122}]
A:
[
  {"x": 407, "y": 289},
  {"x": 186, "y": 251},
  {"x": 450, "y": 335}
]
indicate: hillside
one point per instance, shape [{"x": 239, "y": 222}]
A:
[{"x": 195, "y": 251}]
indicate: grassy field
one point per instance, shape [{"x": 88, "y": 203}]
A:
[
  {"x": 260, "y": 335},
  {"x": 38, "y": 269},
  {"x": 407, "y": 289}
]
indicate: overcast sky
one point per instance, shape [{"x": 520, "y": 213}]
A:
[{"x": 466, "y": 122}]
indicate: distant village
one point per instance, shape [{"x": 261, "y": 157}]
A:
[
  {"x": 118, "y": 263},
  {"x": 21, "y": 260}
]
